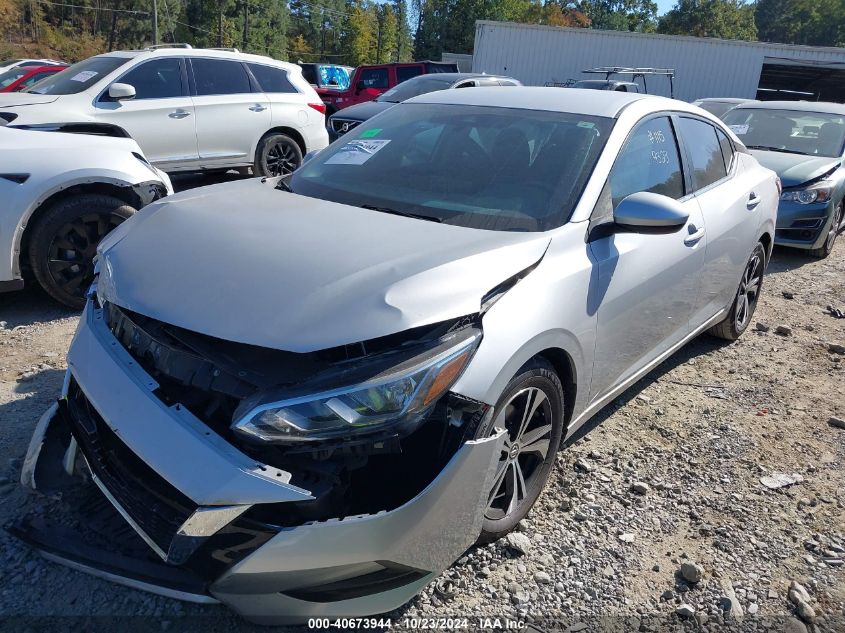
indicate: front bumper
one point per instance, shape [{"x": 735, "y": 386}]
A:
[
  {"x": 348, "y": 566},
  {"x": 803, "y": 225}
]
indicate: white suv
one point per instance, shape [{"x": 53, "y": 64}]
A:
[{"x": 188, "y": 109}]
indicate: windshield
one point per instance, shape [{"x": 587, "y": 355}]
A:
[
  {"x": 717, "y": 108},
  {"x": 489, "y": 168},
  {"x": 792, "y": 131},
  {"x": 79, "y": 77},
  {"x": 11, "y": 76},
  {"x": 414, "y": 88}
]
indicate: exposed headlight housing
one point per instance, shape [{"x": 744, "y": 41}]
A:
[
  {"x": 819, "y": 192},
  {"x": 399, "y": 396}
]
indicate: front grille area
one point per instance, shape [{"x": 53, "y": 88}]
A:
[
  {"x": 156, "y": 506},
  {"x": 342, "y": 126}
]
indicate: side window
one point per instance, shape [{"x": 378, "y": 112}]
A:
[
  {"x": 727, "y": 150},
  {"x": 403, "y": 73},
  {"x": 271, "y": 79},
  {"x": 649, "y": 161},
  {"x": 374, "y": 77},
  {"x": 156, "y": 79},
  {"x": 220, "y": 77},
  {"x": 704, "y": 150}
]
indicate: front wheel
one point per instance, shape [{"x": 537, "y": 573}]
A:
[
  {"x": 531, "y": 412},
  {"x": 745, "y": 300},
  {"x": 64, "y": 242},
  {"x": 277, "y": 155},
  {"x": 832, "y": 233}
]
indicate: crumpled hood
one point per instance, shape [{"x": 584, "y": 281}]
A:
[
  {"x": 16, "y": 99},
  {"x": 795, "y": 169},
  {"x": 248, "y": 263}
]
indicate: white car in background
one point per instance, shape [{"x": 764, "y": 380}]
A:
[
  {"x": 61, "y": 194},
  {"x": 8, "y": 64},
  {"x": 189, "y": 109}
]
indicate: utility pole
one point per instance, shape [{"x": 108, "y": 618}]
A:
[
  {"x": 322, "y": 35},
  {"x": 155, "y": 22},
  {"x": 246, "y": 23}
]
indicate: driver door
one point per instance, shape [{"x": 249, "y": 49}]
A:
[
  {"x": 160, "y": 117},
  {"x": 646, "y": 284}
]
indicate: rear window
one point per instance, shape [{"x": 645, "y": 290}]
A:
[
  {"x": 220, "y": 77},
  {"x": 11, "y": 76},
  {"x": 79, "y": 77},
  {"x": 271, "y": 79}
]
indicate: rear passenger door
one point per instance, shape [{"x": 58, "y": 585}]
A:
[
  {"x": 232, "y": 113},
  {"x": 647, "y": 283},
  {"x": 286, "y": 103},
  {"x": 729, "y": 205},
  {"x": 160, "y": 117}
]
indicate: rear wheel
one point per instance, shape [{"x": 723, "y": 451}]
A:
[
  {"x": 277, "y": 155},
  {"x": 64, "y": 242},
  {"x": 531, "y": 412},
  {"x": 745, "y": 300},
  {"x": 832, "y": 233}
]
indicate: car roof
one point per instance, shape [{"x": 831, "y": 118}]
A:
[
  {"x": 454, "y": 76},
  {"x": 725, "y": 100},
  {"x": 824, "y": 107},
  {"x": 202, "y": 52},
  {"x": 546, "y": 99}
]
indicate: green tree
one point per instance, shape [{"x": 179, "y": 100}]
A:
[
  {"x": 359, "y": 35},
  {"x": 809, "y": 22},
  {"x": 620, "y": 15},
  {"x": 726, "y": 19}
]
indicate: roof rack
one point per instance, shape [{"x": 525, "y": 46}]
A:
[
  {"x": 157, "y": 46},
  {"x": 607, "y": 71},
  {"x": 223, "y": 48}
]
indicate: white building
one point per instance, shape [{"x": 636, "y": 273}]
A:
[{"x": 704, "y": 67}]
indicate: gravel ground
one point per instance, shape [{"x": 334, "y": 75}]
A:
[{"x": 660, "y": 518}]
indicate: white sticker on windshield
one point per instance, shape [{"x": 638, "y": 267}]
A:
[
  {"x": 357, "y": 152},
  {"x": 739, "y": 130},
  {"x": 84, "y": 76}
]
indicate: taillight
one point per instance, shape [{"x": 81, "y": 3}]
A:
[{"x": 319, "y": 107}]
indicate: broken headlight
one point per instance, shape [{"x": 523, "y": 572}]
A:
[{"x": 402, "y": 394}]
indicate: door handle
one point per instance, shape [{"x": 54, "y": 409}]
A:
[
  {"x": 694, "y": 236},
  {"x": 257, "y": 108},
  {"x": 179, "y": 114},
  {"x": 753, "y": 200}
]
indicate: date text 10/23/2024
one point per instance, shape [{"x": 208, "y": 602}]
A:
[{"x": 415, "y": 624}]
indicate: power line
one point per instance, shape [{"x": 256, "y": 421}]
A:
[{"x": 79, "y": 6}]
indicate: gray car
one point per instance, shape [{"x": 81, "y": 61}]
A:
[{"x": 309, "y": 395}]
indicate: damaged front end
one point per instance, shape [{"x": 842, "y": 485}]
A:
[{"x": 286, "y": 485}]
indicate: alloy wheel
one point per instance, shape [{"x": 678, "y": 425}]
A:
[
  {"x": 749, "y": 291},
  {"x": 527, "y": 418},
  {"x": 281, "y": 159},
  {"x": 71, "y": 253}
]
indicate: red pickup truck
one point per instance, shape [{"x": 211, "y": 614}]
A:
[{"x": 368, "y": 82}]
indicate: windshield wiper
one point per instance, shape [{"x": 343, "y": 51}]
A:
[
  {"x": 404, "y": 214},
  {"x": 767, "y": 148}
]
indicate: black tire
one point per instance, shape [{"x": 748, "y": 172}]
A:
[
  {"x": 277, "y": 155},
  {"x": 745, "y": 299},
  {"x": 64, "y": 241},
  {"x": 535, "y": 387},
  {"x": 832, "y": 233}
]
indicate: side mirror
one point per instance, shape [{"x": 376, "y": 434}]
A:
[
  {"x": 360, "y": 86},
  {"x": 118, "y": 92},
  {"x": 645, "y": 212}
]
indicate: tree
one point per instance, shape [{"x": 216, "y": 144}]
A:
[
  {"x": 726, "y": 19},
  {"x": 621, "y": 15},
  {"x": 810, "y": 22}
]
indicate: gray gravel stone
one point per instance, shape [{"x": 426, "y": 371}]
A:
[
  {"x": 692, "y": 572},
  {"x": 518, "y": 542}
]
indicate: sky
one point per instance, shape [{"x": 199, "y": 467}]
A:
[{"x": 664, "y": 5}]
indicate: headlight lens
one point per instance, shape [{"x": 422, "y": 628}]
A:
[
  {"x": 401, "y": 395},
  {"x": 820, "y": 192}
]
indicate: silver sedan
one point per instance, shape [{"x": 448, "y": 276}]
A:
[{"x": 309, "y": 395}]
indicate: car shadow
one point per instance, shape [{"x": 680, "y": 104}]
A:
[
  {"x": 786, "y": 259},
  {"x": 699, "y": 346},
  {"x": 31, "y": 305},
  {"x": 192, "y": 180}
]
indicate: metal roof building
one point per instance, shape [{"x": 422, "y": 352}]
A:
[{"x": 704, "y": 67}]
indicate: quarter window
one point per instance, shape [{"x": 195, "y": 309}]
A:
[
  {"x": 374, "y": 77},
  {"x": 727, "y": 150},
  {"x": 157, "y": 79},
  {"x": 648, "y": 162},
  {"x": 704, "y": 150},
  {"x": 220, "y": 77},
  {"x": 271, "y": 79}
]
